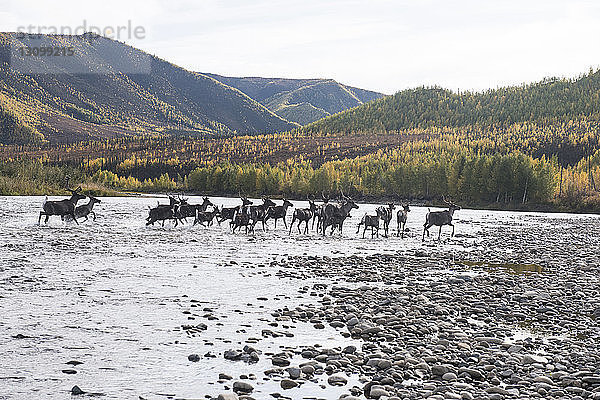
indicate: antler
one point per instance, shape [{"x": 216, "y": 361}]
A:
[{"x": 449, "y": 203}]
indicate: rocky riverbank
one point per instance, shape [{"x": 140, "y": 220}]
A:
[{"x": 510, "y": 319}]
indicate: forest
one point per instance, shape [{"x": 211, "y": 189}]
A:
[
  {"x": 532, "y": 146},
  {"x": 513, "y": 168}
]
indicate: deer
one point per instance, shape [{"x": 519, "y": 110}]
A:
[
  {"x": 303, "y": 215},
  {"x": 318, "y": 213},
  {"x": 62, "y": 207},
  {"x": 369, "y": 221},
  {"x": 259, "y": 212},
  {"x": 84, "y": 210},
  {"x": 279, "y": 212},
  {"x": 206, "y": 216},
  {"x": 440, "y": 218},
  {"x": 335, "y": 215},
  {"x": 385, "y": 214},
  {"x": 242, "y": 218},
  {"x": 186, "y": 210},
  {"x": 402, "y": 217},
  {"x": 229, "y": 213},
  {"x": 163, "y": 212}
]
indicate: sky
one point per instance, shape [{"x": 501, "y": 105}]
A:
[{"x": 381, "y": 45}]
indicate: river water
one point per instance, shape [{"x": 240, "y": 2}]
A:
[{"x": 114, "y": 294}]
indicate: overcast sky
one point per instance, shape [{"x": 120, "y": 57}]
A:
[{"x": 373, "y": 44}]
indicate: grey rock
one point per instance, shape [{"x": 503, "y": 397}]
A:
[
  {"x": 242, "y": 387},
  {"x": 76, "y": 391},
  {"x": 337, "y": 380},
  {"x": 228, "y": 396},
  {"x": 288, "y": 384},
  {"x": 534, "y": 359},
  {"x": 294, "y": 372},
  {"x": 449, "y": 376},
  {"x": 280, "y": 361}
]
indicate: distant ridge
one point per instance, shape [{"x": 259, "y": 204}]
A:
[
  {"x": 552, "y": 100},
  {"x": 301, "y": 100},
  {"x": 74, "y": 105}
]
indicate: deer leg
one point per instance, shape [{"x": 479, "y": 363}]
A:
[
  {"x": 40, "y": 217},
  {"x": 452, "y": 225},
  {"x": 72, "y": 215},
  {"x": 94, "y": 215},
  {"x": 440, "y": 233}
]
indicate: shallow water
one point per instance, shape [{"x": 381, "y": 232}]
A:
[{"x": 113, "y": 294}]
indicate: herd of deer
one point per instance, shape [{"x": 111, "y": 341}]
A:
[{"x": 327, "y": 214}]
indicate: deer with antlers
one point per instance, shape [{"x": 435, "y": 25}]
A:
[
  {"x": 440, "y": 218},
  {"x": 335, "y": 215},
  {"x": 259, "y": 212},
  {"x": 228, "y": 213},
  {"x": 62, "y": 208},
  {"x": 163, "y": 212},
  {"x": 303, "y": 215},
  {"x": 319, "y": 211},
  {"x": 279, "y": 212}
]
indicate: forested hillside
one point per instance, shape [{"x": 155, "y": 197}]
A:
[
  {"x": 301, "y": 100},
  {"x": 549, "y": 101},
  {"x": 106, "y": 89},
  {"x": 518, "y": 147}
]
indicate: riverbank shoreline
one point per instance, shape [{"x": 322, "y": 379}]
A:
[{"x": 383, "y": 200}]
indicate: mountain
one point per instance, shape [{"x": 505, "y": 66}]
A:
[
  {"x": 95, "y": 87},
  {"x": 552, "y": 100},
  {"x": 301, "y": 100}
]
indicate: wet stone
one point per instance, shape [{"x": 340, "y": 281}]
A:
[
  {"x": 242, "y": 387},
  {"x": 288, "y": 384}
]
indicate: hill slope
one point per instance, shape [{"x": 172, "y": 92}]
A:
[
  {"x": 107, "y": 88},
  {"x": 301, "y": 100},
  {"x": 548, "y": 101}
]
